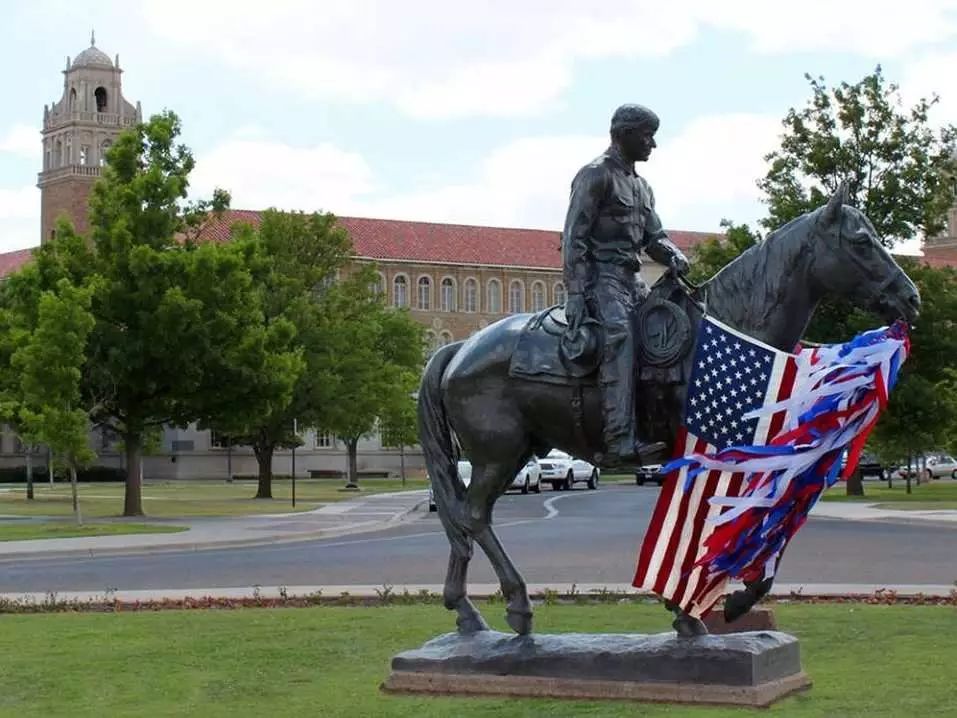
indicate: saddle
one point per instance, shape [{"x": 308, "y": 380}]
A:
[{"x": 662, "y": 329}]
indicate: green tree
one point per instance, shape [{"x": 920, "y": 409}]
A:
[
  {"x": 377, "y": 360},
  {"x": 178, "y": 335},
  {"x": 294, "y": 259},
  {"x": 899, "y": 170},
  {"x": 398, "y": 425},
  {"x": 49, "y": 363},
  {"x": 714, "y": 253}
]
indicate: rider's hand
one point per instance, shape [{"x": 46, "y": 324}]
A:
[
  {"x": 680, "y": 264},
  {"x": 575, "y": 311}
]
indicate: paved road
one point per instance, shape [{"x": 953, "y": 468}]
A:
[{"x": 581, "y": 536}]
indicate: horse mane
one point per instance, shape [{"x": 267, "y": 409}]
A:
[{"x": 740, "y": 290}]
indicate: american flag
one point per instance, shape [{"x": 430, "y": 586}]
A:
[{"x": 732, "y": 375}]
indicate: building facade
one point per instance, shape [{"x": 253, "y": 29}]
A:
[{"x": 454, "y": 279}]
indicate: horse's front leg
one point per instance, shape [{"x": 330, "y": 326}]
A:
[{"x": 685, "y": 624}]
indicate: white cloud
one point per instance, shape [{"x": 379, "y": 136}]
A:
[
  {"x": 22, "y": 203},
  {"x": 439, "y": 59},
  {"x": 709, "y": 170},
  {"x": 260, "y": 173},
  {"x": 19, "y": 234},
  {"x": 929, "y": 75},
  {"x": 21, "y": 140},
  {"x": 704, "y": 173}
]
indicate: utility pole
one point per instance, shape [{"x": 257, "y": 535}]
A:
[{"x": 295, "y": 440}]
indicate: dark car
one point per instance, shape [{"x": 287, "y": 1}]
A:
[{"x": 649, "y": 474}]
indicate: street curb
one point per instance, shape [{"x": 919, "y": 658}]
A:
[
  {"x": 274, "y": 540},
  {"x": 851, "y": 592}
]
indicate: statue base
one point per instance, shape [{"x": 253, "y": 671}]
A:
[{"x": 750, "y": 669}]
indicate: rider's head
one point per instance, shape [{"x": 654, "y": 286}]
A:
[{"x": 633, "y": 130}]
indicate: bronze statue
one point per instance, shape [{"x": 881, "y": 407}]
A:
[
  {"x": 611, "y": 219},
  {"x": 472, "y": 400}
]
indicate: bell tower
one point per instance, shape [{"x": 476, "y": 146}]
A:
[{"x": 77, "y": 131}]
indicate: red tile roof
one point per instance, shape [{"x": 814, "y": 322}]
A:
[
  {"x": 941, "y": 256},
  {"x": 391, "y": 239},
  {"x": 12, "y": 261}
]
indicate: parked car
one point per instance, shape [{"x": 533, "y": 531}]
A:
[
  {"x": 938, "y": 466},
  {"x": 869, "y": 465},
  {"x": 529, "y": 478},
  {"x": 464, "y": 468},
  {"x": 563, "y": 471},
  {"x": 649, "y": 474}
]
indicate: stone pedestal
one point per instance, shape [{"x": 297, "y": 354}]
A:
[{"x": 751, "y": 669}]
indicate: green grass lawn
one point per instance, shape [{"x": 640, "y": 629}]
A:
[
  {"x": 25, "y": 530},
  {"x": 170, "y": 499},
  {"x": 939, "y": 494},
  {"x": 873, "y": 661}
]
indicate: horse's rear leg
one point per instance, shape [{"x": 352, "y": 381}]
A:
[
  {"x": 488, "y": 483},
  {"x": 454, "y": 596},
  {"x": 518, "y": 608}
]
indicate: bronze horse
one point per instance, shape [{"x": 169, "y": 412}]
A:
[{"x": 468, "y": 399}]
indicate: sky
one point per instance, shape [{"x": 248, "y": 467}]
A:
[{"x": 477, "y": 113}]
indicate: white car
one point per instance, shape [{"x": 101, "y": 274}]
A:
[
  {"x": 529, "y": 478},
  {"x": 937, "y": 466},
  {"x": 563, "y": 471}
]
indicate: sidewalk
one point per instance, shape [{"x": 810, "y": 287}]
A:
[
  {"x": 871, "y": 512},
  {"x": 362, "y": 514}
]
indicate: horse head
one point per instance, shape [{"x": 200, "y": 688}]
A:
[{"x": 850, "y": 261}]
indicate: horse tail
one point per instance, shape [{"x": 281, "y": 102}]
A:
[{"x": 435, "y": 438}]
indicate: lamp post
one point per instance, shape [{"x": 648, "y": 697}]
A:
[{"x": 295, "y": 440}]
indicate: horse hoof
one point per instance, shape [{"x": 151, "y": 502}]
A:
[
  {"x": 520, "y": 622},
  {"x": 471, "y": 624},
  {"x": 689, "y": 627}
]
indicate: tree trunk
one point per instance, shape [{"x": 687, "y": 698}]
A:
[
  {"x": 910, "y": 465},
  {"x": 855, "y": 483},
  {"x": 133, "y": 504},
  {"x": 76, "y": 496},
  {"x": 264, "y": 454},
  {"x": 30, "y": 473},
  {"x": 402, "y": 464},
  {"x": 353, "y": 478}
]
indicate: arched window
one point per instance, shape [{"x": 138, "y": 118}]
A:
[
  {"x": 378, "y": 284},
  {"x": 558, "y": 293},
  {"x": 104, "y": 148},
  {"x": 100, "y": 95},
  {"x": 58, "y": 154},
  {"x": 425, "y": 293},
  {"x": 494, "y": 303},
  {"x": 516, "y": 297},
  {"x": 447, "y": 295},
  {"x": 400, "y": 291},
  {"x": 470, "y": 298},
  {"x": 538, "y": 296},
  {"x": 445, "y": 337},
  {"x": 72, "y": 99}
]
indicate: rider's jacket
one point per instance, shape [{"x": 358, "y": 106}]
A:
[{"x": 611, "y": 218}]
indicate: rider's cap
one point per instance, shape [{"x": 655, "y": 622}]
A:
[{"x": 634, "y": 116}]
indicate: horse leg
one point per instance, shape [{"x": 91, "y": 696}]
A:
[
  {"x": 488, "y": 483},
  {"x": 455, "y": 597},
  {"x": 518, "y": 607},
  {"x": 685, "y": 624},
  {"x": 740, "y": 602}
]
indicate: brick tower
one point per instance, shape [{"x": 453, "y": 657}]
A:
[{"x": 77, "y": 131}]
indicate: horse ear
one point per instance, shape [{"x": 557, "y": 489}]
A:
[{"x": 831, "y": 214}]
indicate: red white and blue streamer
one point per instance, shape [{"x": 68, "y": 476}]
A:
[{"x": 750, "y": 499}]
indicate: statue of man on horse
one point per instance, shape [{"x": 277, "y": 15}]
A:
[{"x": 611, "y": 219}]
